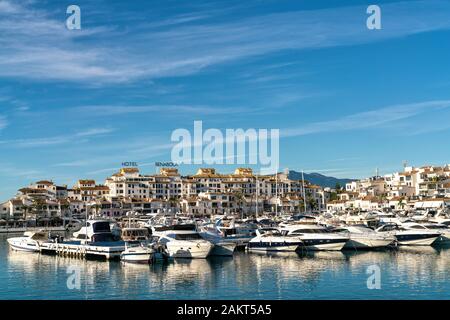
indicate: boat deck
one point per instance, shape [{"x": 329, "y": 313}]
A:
[{"x": 107, "y": 250}]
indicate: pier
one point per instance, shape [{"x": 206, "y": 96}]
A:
[{"x": 84, "y": 251}]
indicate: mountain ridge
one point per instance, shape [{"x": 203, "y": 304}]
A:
[{"x": 319, "y": 179}]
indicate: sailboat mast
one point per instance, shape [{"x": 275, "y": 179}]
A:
[
  {"x": 276, "y": 193},
  {"x": 256, "y": 179},
  {"x": 304, "y": 194}
]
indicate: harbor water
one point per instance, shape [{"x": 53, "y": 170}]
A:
[{"x": 405, "y": 273}]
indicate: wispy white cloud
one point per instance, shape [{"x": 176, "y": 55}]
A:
[
  {"x": 3, "y": 122},
  {"x": 36, "y": 45},
  {"x": 368, "y": 119},
  {"x": 105, "y": 110},
  {"x": 94, "y": 132},
  {"x": 56, "y": 140},
  {"x": 7, "y": 169}
]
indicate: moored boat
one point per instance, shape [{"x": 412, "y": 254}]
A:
[
  {"x": 315, "y": 237},
  {"x": 29, "y": 242},
  {"x": 273, "y": 240},
  {"x": 410, "y": 234},
  {"x": 183, "y": 241}
]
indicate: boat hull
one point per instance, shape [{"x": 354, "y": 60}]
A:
[
  {"x": 223, "y": 249},
  {"x": 189, "y": 251},
  {"x": 136, "y": 257},
  {"x": 267, "y": 247},
  {"x": 23, "y": 244},
  {"x": 324, "y": 244},
  {"x": 368, "y": 243},
  {"x": 416, "y": 239}
]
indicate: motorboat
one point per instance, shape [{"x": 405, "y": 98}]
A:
[
  {"x": 419, "y": 216},
  {"x": 139, "y": 248},
  {"x": 135, "y": 234},
  {"x": 442, "y": 229},
  {"x": 363, "y": 237},
  {"x": 30, "y": 241},
  {"x": 72, "y": 225},
  {"x": 440, "y": 216},
  {"x": 94, "y": 231},
  {"x": 182, "y": 241},
  {"x": 386, "y": 217},
  {"x": 315, "y": 237},
  {"x": 233, "y": 231},
  {"x": 410, "y": 233},
  {"x": 222, "y": 246},
  {"x": 273, "y": 240},
  {"x": 136, "y": 252}
]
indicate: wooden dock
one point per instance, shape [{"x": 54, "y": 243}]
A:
[{"x": 84, "y": 251}]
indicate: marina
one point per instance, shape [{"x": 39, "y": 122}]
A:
[
  {"x": 216, "y": 245},
  {"x": 406, "y": 273}
]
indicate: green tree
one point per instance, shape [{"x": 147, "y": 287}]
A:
[
  {"x": 26, "y": 210},
  {"x": 311, "y": 202},
  {"x": 239, "y": 199}
]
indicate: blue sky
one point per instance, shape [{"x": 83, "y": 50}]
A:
[{"x": 77, "y": 103}]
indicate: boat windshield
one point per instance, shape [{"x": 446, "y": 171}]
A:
[
  {"x": 102, "y": 237},
  {"x": 102, "y": 226},
  {"x": 270, "y": 233},
  {"x": 134, "y": 244},
  {"x": 185, "y": 236},
  {"x": 436, "y": 226},
  {"x": 314, "y": 230}
]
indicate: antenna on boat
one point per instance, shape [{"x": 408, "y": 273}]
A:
[
  {"x": 85, "y": 222},
  {"x": 304, "y": 194},
  {"x": 276, "y": 193},
  {"x": 256, "y": 177}
]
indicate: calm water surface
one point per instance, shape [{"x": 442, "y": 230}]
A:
[{"x": 407, "y": 273}]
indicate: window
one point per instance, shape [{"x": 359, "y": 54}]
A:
[{"x": 184, "y": 236}]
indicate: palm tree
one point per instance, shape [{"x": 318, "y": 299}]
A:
[
  {"x": 239, "y": 199},
  {"x": 96, "y": 207},
  {"x": 401, "y": 203},
  {"x": 300, "y": 206},
  {"x": 173, "y": 202},
  {"x": 312, "y": 203},
  {"x": 338, "y": 187},
  {"x": 37, "y": 207},
  {"x": 26, "y": 209},
  {"x": 64, "y": 207}
]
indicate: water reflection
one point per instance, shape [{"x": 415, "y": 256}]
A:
[{"x": 409, "y": 272}]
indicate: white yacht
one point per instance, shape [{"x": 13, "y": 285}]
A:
[
  {"x": 222, "y": 246},
  {"x": 442, "y": 229},
  {"x": 363, "y": 237},
  {"x": 386, "y": 217},
  {"x": 94, "y": 231},
  {"x": 315, "y": 237},
  {"x": 136, "y": 252},
  {"x": 30, "y": 241},
  {"x": 183, "y": 241},
  {"x": 233, "y": 231},
  {"x": 273, "y": 240},
  {"x": 410, "y": 233},
  {"x": 139, "y": 248}
]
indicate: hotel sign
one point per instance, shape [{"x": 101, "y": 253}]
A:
[
  {"x": 166, "y": 164},
  {"x": 129, "y": 164}
]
